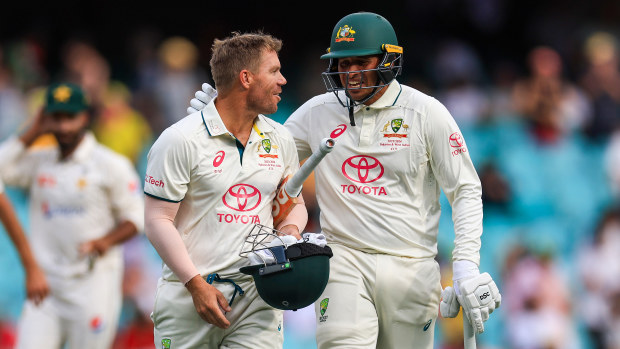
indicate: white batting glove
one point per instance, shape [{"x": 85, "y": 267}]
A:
[
  {"x": 449, "y": 306},
  {"x": 317, "y": 239},
  {"x": 265, "y": 256},
  {"x": 202, "y": 98},
  {"x": 479, "y": 297}
]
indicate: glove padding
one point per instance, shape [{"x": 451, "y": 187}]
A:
[
  {"x": 449, "y": 306},
  {"x": 202, "y": 98},
  {"x": 478, "y": 296}
]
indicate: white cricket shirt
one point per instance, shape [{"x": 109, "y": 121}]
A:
[
  {"x": 74, "y": 200},
  {"x": 379, "y": 188},
  {"x": 223, "y": 188}
]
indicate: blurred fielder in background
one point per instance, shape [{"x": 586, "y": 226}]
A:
[
  {"x": 84, "y": 201},
  {"x": 210, "y": 177},
  {"x": 379, "y": 195}
]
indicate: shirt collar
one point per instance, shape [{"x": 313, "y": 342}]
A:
[
  {"x": 390, "y": 96},
  {"x": 212, "y": 120},
  {"x": 215, "y": 126},
  {"x": 85, "y": 148}
]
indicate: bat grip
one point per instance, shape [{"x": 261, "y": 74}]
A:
[
  {"x": 294, "y": 185},
  {"x": 469, "y": 337}
]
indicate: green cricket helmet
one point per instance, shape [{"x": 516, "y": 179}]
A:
[
  {"x": 289, "y": 277},
  {"x": 362, "y": 34}
]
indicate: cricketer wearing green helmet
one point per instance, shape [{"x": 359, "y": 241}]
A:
[
  {"x": 367, "y": 41},
  {"x": 379, "y": 198}
]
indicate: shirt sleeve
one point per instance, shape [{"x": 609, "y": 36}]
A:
[
  {"x": 291, "y": 159},
  {"x": 17, "y": 164},
  {"x": 168, "y": 167},
  {"x": 298, "y": 124},
  {"x": 456, "y": 174}
]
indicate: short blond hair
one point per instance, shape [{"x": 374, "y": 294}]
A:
[{"x": 238, "y": 52}]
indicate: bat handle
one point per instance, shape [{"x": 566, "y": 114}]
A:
[
  {"x": 469, "y": 336},
  {"x": 294, "y": 185}
]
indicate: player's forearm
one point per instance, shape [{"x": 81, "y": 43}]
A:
[
  {"x": 168, "y": 243},
  {"x": 467, "y": 218},
  {"x": 298, "y": 216},
  {"x": 16, "y": 233},
  {"x": 165, "y": 238},
  {"x": 124, "y": 231},
  {"x": 29, "y": 136}
]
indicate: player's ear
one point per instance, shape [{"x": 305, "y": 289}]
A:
[{"x": 245, "y": 78}]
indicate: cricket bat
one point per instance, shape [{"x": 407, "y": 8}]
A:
[
  {"x": 469, "y": 336},
  {"x": 290, "y": 188}
]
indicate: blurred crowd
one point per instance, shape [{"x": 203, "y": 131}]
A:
[{"x": 543, "y": 133}]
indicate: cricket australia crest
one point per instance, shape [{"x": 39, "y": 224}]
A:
[
  {"x": 268, "y": 154},
  {"x": 323, "y": 309},
  {"x": 395, "y": 134}
]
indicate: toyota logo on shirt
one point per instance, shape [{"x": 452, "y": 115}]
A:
[
  {"x": 242, "y": 197},
  {"x": 362, "y": 169},
  {"x": 456, "y": 140}
]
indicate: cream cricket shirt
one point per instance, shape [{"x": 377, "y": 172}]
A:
[
  {"x": 379, "y": 188},
  {"x": 223, "y": 188},
  {"x": 73, "y": 201}
]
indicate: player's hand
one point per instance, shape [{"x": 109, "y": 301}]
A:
[
  {"x": 37, "y": 287},
  {"x": 202, "y": 98},
  {"x": 292, "y": 230},
  {"x": 479, "y": 297},
  {"x": 209, "y": 302},
  {"x": 41, "y": 125},
  {"x": 96, "y": 247},
  {"x": 449, "y": 306}
]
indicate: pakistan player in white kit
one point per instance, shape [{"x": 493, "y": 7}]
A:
[
  {"x": 84, "y": 201},
  {"x": 379, "y": 192},
  {"x": 210, "y": 177}
]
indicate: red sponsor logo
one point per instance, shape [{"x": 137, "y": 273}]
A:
[
  {"x": 156, "y": 182},
  {"x": 132, "y": 186},
  {"x": 456, "y": 140},
  {"x": 46, "y": 181},
  {"x": 238, "y": 218},
  {"x": 363, "y": 190},
  {"x": 362, "y": 169},
  {"x": 242, "y": 197},
  {"x": 338, "y": 131},
  {"x": 96, "y": 324},
  {"x": 459, "y": 151},
  {"x": 219, "y": 158}
]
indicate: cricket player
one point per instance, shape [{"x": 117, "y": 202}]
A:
[
  {"x": 379, "y": 192},
  {"x": 84, "y": 201},
  {"x": 210, "y": 177}
]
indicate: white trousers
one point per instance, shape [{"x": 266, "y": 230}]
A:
[
  {"x": 80, "y": 313},
  {"x": 378, "y": 301},
  {"x": 254, "y": 324}
]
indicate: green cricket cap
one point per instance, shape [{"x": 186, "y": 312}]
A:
[{"x": 65, "y": 97}]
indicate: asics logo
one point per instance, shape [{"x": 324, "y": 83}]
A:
[
  {"x": 338, "y": 131},
  {"x": 219, "y": 158},
  {"x": 242, "y": 197}
]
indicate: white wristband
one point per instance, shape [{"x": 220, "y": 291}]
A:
[{"x": 464, "y": 269}]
